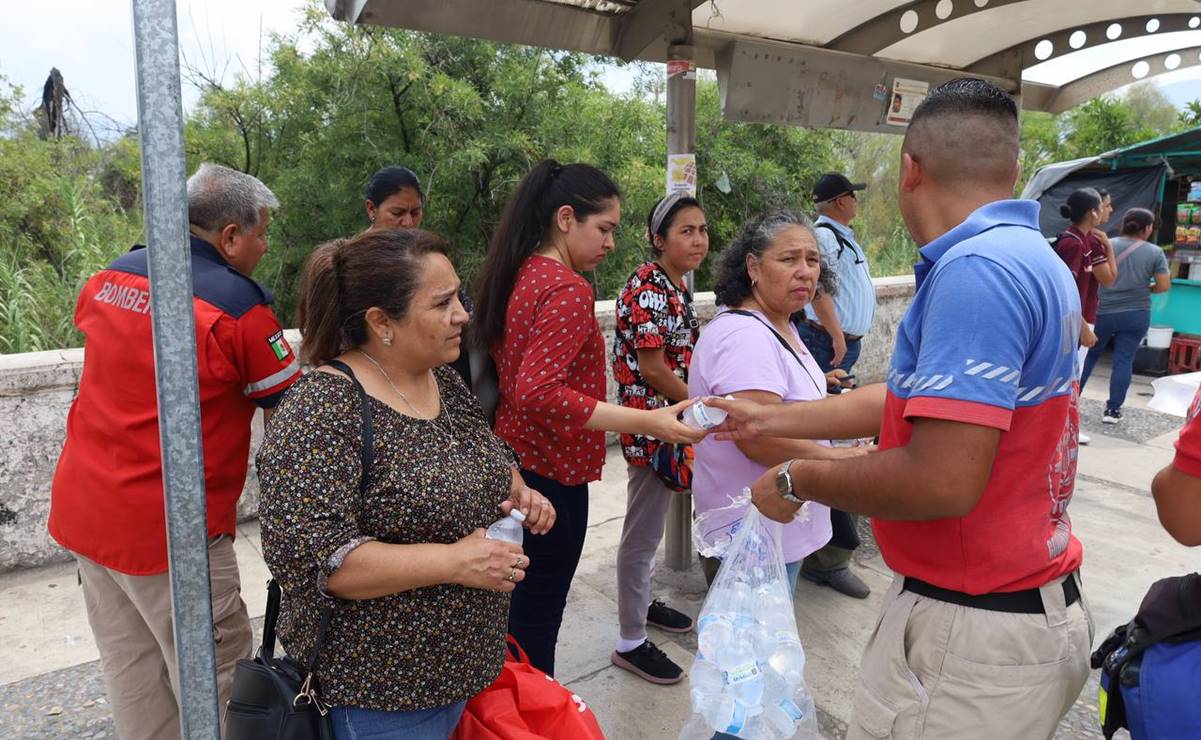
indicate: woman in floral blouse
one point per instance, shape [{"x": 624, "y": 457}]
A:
[
  {"x": 652, "y": 348},
  {"x": 535, "y": 313},
  {"x": 419, "y": 625}
]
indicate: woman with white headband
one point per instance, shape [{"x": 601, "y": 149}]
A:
[{"x": 652, "y": 348}]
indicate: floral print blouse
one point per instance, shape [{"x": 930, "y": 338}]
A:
[{"x": 430, "y": 483}]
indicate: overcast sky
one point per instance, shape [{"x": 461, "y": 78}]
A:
[{"x": 90, "y": 41}]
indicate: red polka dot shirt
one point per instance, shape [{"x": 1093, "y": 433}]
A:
[{"x": 551, "y": 364}]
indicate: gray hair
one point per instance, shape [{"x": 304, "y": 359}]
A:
[
  {"x": 823, "y": 206},
  {"x": 219, "y": 196},
  {"x": 733, "y": 284}
]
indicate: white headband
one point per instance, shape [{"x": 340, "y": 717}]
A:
[{"x": 664, "y": 208}]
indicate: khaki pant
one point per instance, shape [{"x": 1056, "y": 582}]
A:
[
  {"x": 934, "y": 670},
  {"x": 647, "y": 500},
  {"x": 131, "y": 621}
]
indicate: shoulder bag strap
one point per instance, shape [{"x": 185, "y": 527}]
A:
[
  {"x": 1128, "y": 251},
  {"x": 843, "y": 242},
  {"x": 783, "y": 342},
  {"x": 274, "y": 595}
]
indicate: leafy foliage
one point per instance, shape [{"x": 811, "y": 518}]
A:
[{"x": 471, "y": 118}]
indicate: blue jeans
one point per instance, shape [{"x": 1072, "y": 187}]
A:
[
  {"x": 356, "y": 723},
  {"x": 1127, "y": 329},
  {"x": 821, "y": 346}
]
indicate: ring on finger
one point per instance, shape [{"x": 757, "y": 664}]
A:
[
  {"x": 517, "y": 562},
  {"x": 513, "y": 575}
]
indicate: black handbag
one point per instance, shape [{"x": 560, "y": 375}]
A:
[{"x": 277, "y": 698}]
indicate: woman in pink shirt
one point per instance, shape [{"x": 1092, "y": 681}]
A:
[
  {"x": 771, "y": 270},
  {"x": 535, "y": 314}
]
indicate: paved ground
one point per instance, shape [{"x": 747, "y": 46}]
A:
[{"x": 50, "y": 685}]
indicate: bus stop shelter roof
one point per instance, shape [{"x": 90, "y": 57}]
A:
[{"x": 818, "y": 62}]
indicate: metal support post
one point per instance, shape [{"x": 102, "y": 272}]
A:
[
  {"x": 164, "y": 193},
  {"x": 681, "y": 140}
]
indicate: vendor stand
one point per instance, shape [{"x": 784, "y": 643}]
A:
[{"x": 1163, "y": 175}]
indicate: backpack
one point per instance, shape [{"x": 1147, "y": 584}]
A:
[
  {"x": 1151, "y": 667},
  {"x": 843, "y": 242}
]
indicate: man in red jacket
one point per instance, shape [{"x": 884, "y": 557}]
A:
[{"x": 106, "y": 505}]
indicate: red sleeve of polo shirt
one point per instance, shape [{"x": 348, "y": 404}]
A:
[
  {"x": 562, "y": 324},
  {"x": 266, "y": 362},
  {"x": 1188, "y": 446}
]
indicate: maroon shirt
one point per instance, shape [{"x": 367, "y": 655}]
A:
[{"x": 1080, "y": 252}]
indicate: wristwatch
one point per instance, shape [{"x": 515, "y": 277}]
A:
[{"x": 784, "y": 485}]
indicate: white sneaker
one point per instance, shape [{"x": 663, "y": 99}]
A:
[{"x": 1082, "y": 438}]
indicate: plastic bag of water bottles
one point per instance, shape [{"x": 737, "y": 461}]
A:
[{"x": 747, "y": 680}]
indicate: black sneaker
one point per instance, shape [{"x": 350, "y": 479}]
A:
[
  {"x": 649, "y": 662},
  {"x": 665, "y": 618},
  {"x": 1112, "y": 416}
]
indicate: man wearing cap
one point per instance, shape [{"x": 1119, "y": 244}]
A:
[{"x": 832, "y": 328}]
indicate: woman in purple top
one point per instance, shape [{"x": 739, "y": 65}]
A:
[{"x": 751, "y": 350}]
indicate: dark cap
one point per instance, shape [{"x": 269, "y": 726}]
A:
[{"x": 832, "y": 184}]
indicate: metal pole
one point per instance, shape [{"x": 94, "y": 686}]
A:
[
  {"x": 681, "y": 140},
  {"x": 164, "y": 193}
]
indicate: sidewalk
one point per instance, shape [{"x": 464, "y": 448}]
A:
[{"x": 50, "y": 685}]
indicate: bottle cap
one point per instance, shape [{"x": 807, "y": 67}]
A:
[{"x": 516, "y": 514}]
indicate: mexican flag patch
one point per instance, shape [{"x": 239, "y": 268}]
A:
[{"x": 279, "y": 345}]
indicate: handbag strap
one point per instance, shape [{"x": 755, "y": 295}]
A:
[
  {"x": 274, "y": 593},
  {"x": 1127, "y": 252},
  {"x": 783, "y": 342}
]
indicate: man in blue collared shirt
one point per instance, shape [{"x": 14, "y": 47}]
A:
[
  {"x": 984, "y": 633},
  {"x": 832, "y": 328}
]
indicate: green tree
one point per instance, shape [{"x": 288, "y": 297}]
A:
[
  {"x": 1102, "y": 125},
  {"x": 58, "y": 225},
  {"x": 1151, "y": 108}
]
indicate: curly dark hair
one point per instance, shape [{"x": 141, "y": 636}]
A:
[{"x": 733, "y": 285}]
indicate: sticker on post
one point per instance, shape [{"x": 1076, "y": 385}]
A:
[
  {"x": 906, "y": 96},
  {"x": 681, "y": 173},
  {"x": 686, "y": 67}
]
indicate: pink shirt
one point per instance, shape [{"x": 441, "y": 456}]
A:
[{"x": 738, "y": 353}]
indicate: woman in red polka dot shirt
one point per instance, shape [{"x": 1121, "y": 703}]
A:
[{"x": 534, "y": 311}]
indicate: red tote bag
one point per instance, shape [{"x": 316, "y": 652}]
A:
[{"x": 524, "y": 703}]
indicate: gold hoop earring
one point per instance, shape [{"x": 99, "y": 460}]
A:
[{"x": 387, "y": 341}]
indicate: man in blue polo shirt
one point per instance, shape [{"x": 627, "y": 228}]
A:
[
  {"x": 984, "y": 631},
  {"x": 832, "y": 328}
]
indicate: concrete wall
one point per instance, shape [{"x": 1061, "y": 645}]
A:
[{"x": 36, "y": 390}]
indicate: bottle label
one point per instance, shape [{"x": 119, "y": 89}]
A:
[
  {"x": 708, "y": 620},
  {"x": 792, "y": 710},
  {"x": 788, "y": 638},
  {"x": 738, "y": 720},
  {"x": 739, "y": 674}
]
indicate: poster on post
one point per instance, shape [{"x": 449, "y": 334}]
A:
[
  {"x": 906, "y": 96},
  {"x": 681, "y": 173}
]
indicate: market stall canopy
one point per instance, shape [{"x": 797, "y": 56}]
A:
[
  {"x": 833, "y": 63},
  {"x": 1133, "y": 175}
]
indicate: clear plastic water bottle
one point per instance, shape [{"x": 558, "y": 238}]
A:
[
  {"x": 741, "y": 672},
  {"x": 704, "y": 684},
  {"x": 700, "y": 416},
  {"x": 507, "y": 529},
  {"x": 788, "y": 657},
  {"x": 726, "y": 715},
  {"x": 713, "y": 632}
]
